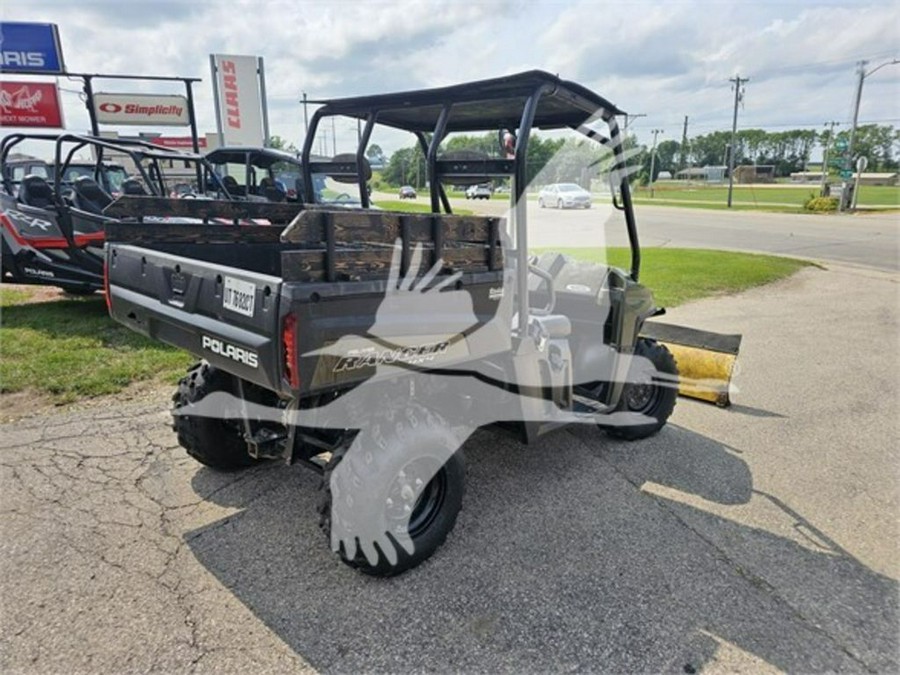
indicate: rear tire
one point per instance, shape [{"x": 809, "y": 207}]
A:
[
  {"x": 541, "y": 203},
  {"x": 378, "y": 474},
  {"x": 216, "y": 443},
  {"x": 644, "y": 394}
]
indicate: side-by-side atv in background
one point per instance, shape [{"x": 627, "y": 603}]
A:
[
  {"x": 52, "y": 214},
  {"x": 266, "y": 174},
  {"x": 369, "y": 345}
]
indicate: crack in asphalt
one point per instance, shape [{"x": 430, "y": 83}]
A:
[{"x": 753, "y": 579}]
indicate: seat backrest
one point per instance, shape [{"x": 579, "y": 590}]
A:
[
  {"x": 270, "y": 190},
  {"x": 90, "y": 196},
  {"x": 232, "y": 186},
  {"x": 35, "y": 191},
  {"x": 133, "y": 186}
]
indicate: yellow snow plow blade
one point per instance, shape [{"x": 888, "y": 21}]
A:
[{"x": 705, "y": 360}]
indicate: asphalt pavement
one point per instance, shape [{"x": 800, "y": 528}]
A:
[
  {"x": 869, "y": 239},
  {"x": 759, "y": 538}
]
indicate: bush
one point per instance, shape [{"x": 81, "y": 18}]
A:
[{"x": 821, "y": 204}]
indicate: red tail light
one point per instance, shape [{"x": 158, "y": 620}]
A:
[
  {"x": 289, "y": 345},
  {"x": 106, "y": 295}
]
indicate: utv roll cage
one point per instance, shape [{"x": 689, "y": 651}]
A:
[
  {"x": 518, "y": 103},
  {"x": 145, "y": 156}
]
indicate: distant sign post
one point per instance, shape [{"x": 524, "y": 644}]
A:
[{"x": 30, "y": 48}]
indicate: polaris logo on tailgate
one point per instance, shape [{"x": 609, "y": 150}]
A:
[{"x": 233, "y": 352}]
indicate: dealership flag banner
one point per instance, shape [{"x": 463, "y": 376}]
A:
[
  {"x": 30, "y": 104},
  {"x": 239, "y": 91},
  {"x": 31, "y": 48},
  {"x": 142, "y": 109}
]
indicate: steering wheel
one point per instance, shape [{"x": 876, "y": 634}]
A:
[{"x": 343, "y": 197}]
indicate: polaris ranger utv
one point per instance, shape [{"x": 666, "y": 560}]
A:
[{"x": 369, "y": 345}]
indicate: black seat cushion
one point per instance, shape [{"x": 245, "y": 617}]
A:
[
  {"x": 35, "y": 191},
  {"x": 90, "y": 196},
  {"x": 133, "y": 186},
  {"x": 231, "y": 185}
]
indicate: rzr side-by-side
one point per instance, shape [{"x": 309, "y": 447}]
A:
[
  {"x": 53, "y": 224},
  {"x": 369, "y": 345}
]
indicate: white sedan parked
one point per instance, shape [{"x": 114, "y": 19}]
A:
[{"x": 564, "y": 196}]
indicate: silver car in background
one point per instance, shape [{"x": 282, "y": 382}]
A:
[{"x": 564, "y": 196}]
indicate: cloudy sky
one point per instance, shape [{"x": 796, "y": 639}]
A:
[{"x": 663, "y": 59}]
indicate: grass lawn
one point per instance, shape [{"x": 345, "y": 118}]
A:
[
  {"x": 69, "y": 348},
  {"x": 409, "y": 206},
  {"x": 775, "y": 195},
  {"x": 679, "y": 275}
]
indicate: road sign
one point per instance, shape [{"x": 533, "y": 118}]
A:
[
  {"x": 846, "y": 174},
  {"x": 840, "y": 145},
  {"x": 30, "y": 48}
]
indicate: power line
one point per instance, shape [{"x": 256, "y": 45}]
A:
[{"x": 837, "y": 61}]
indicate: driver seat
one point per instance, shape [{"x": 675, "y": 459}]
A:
[
  {"x": 231, "y": 185},
  {"x": 35, "y": 191},
  {"x": 270, "y": 190},
  {"x": 133, "y": 186},
  {"x": 89, "y": 196}
]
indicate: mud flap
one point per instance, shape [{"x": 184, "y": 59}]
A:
[{"x": 705, "y": 360}]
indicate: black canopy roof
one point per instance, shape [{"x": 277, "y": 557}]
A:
[
  {"x": 262, "y": 157},
  {"x": 481, "y": 105}
]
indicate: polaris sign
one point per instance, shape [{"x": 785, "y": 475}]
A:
[{"x": 30, "y": 48}]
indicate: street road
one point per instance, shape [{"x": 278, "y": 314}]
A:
[
  {"x": 754, "y": 539},
  {"x": 871, "y": 239}
]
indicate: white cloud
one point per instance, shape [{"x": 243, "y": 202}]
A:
[{"x": 663, "y": 59}]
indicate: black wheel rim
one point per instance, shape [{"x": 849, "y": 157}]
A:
[
  {"x": 412, "y": 504},
  {"x": 641, "y": 397}
]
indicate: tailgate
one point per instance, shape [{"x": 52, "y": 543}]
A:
[{"x": 226, "y": 315}]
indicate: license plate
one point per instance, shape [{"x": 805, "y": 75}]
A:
[{"x": 239, "y": 296}]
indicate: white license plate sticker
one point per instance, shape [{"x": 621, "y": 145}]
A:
[{"x": 239, "y": 296}]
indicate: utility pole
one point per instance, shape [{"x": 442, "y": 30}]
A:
[
  {"x": 333, "y": 137},
  {"x": 305, "y": 115},
  {"x": 738, "y": 97},
  {"x": 828, "y": 141},
  {"x": 655, "y": 132},
  {"x": 681, "y": 154},
  {"x": 861, "y": 72},
  {"x": 629, "y": 119}
]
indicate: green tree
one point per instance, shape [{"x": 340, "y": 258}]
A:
[
  {"x": 375, "y": 154},
  {"x": 276, "y": 142}
]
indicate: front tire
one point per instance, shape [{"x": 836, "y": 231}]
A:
[
  {"x": 389, "y": 501},
  {"x": 214, "y": 442},
  {"x": 559, "y": 204},
  {"x": 651, "y": 391}
]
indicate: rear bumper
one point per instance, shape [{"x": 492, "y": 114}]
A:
[{"x": 231, "y": 348}]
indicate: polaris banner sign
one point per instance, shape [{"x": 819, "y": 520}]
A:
[
  {"x": 142, "y": 109},
  {"x": 30, "y": 48}
]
